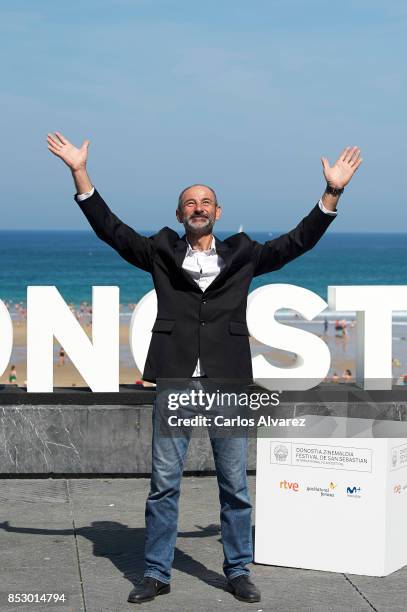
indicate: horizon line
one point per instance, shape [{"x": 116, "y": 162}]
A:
[{"x": 232, "y": 232}]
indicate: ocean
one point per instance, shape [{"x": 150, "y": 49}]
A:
[{"x": 73, "y": 261}]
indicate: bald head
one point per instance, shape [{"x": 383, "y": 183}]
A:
[{"x": 184, "y": 195}]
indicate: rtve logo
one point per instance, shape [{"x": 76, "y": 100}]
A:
[{"x": 292, "y": 486}]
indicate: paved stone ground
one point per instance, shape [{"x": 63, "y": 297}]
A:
[{"x": 85, "y": 538}]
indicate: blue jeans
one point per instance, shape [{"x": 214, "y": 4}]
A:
[{"x": 161, "y": 514}]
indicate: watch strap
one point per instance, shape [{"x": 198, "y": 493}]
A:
[{"x": 333, "y": 190}]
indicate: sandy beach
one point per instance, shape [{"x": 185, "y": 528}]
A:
[{"x": 342, "y": 352}]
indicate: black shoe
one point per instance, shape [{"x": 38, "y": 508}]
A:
[
  {"x": 147, "y": 590},
  {"x": 244, "y": 589}
]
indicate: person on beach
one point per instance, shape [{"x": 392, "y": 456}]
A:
[
  {"x": 344, "y": 325},
  {"x": 12, "y": 377},
  {"x": 347, "y": 375},
  {"x": 402, "y": 380},
  {"x": 61, "y": 357},
  {"x": 202, "y": 285}
]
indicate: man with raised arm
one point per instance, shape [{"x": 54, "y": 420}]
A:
[{"x": 202, "y": 285}]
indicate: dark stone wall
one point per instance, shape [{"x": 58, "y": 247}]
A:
[{"x": 83, "y": 433}]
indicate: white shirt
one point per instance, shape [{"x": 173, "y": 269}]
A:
[{"x": 202, "y": 266}]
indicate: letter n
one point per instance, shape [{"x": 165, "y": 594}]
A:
[{"x": 97, "y": 360}]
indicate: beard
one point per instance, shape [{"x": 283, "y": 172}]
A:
[{"x": 199, "y": 228}]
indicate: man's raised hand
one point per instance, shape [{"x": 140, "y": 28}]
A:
[
  {"x": 74, "y": 158},
  {"x": 341, "y": 172}
]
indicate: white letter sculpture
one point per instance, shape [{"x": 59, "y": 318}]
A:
[
  {"x": 6, "y": 334},
  {"x": 313, "y": 357},
  {"x": 97, "y": 361},
  {"x": 141, "y": 322},
  {"x": 374, "y": 305}
]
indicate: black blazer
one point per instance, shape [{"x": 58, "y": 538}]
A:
[{"x": 191, "y": 323}]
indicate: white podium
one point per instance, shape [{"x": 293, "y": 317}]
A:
[{"x": 335, "y": 504}]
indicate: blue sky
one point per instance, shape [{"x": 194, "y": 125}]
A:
[{"x": 244, "y": 96}]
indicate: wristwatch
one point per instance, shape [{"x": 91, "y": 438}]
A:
[{"x": 333, "y": 191}]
